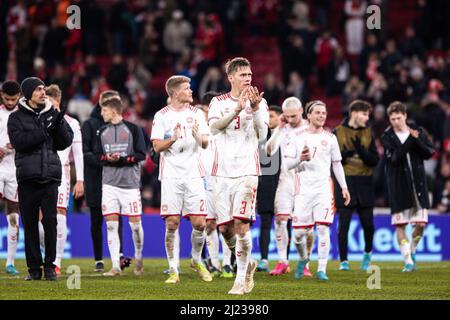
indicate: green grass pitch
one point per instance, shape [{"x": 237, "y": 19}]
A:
[{"x": 431, "y": 281}]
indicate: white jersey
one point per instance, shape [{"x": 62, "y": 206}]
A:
[
  {"x": 76, "y": 147},
  {"x": 287, "y": 138},
  {"x": 315, "y": 174},
  {"x": 183, "y": 158},
  {"x": 7, "y": 164},
  {"x": 237, "y": 152}
]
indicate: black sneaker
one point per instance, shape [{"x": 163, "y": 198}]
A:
[
  {"x": 99, "y": 266},
  {"x": 34, "y": 275},
  {"x": 125, "y": 262},
  {"x": 50, "y": 274}
]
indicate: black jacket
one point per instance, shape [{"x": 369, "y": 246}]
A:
[
  {"x": 358, "y": 162},
  {"x": 267, "y": 184},
  {"x": 36, "y": 148},
  {"x": 398, "y": 172},
  {"x": 92, "y": 151}
]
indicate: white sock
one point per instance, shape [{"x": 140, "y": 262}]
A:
[
  {"x": 323, "y": 233},
  {"x": 243, "y": 251},
  {"x": 170, "y": 249},
  {"x": 138, "y": 239},
  {"x": 300, "y": 235},
  {"x": 282, "y": 238},
  {"x": 197, "y": 240},
  {"x": 176, "y": 248},
  {"x": 226, "y": 253},
  {"x": 231, "y": 243},
  {"x": 41, "y": 235},
  {"x": 112, "y": 228},
  {"x": 212, "y": 242},
  {"x": 61, "y": 236},
  {"x": 310, "y": 237},
  {"x": 406, "y": 251},
  {"x": 13, "y": 234}
]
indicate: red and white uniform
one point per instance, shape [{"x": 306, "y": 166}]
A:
[
  {"x": 209, "y": 180},
  {"x": 314, "y": 200},
  {"x": 236, "y": 158},
  {"x": 8, "y": 181},
  {"x": 180, "y": 167},
  {"x": 77, "y": 151},
  {"x": 284, "y": 195}
]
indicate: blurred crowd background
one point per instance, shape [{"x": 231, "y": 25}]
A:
[{"x": 310, "y": 49}]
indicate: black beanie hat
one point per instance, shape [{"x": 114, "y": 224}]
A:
[{"x": 29, "y": 85}]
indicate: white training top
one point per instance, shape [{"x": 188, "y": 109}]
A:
[
  {"x": 7, "y": 164},
  {"x": 183, "y": 158},
  {"x": 76, "y": 147},
  {"x": 314, "y": 174},
  {"x": 237, "y": 153}
]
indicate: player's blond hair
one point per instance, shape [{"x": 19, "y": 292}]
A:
[
  {"x": 291, "y": 103},
  {"x": 174, "y": 82},
  {"x": 310, "y": 105},
  {"x": 53, "y": 91},
  {"x": 234, "y": 64},
  {"x": 107, "y": 95},
  {"x": 113, "y": 103}
]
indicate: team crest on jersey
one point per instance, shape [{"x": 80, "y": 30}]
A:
[
  {"x": 248, "y": 110},
  {"x": 189, "y": 120},
  {"x": 324, "y": 143}
]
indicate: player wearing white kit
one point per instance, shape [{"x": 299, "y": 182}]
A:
[
  {"x": 312, "y": 154},
  {"x": 8, "y": 183},
  {"x": 123, "y": 148},
  {"x": 54, "y": 94},
  {"x": 212, "y": 236},
  {"x": 179, "y": 131},
  {"x": 238, "y": 120},
  {"x": 291, "y": 124}
]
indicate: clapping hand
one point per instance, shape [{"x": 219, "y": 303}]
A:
[
  {"x": 305, "y": 156},
  {"x": 414, "y": 133},
  {"x": 255, "y": 97}
]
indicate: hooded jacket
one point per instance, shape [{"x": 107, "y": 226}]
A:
[{"x": 36, "y": 147}]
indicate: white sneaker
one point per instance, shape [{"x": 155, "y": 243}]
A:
[
  {"x": 238, "y": 288},
  {"x": 113, "y": 272},
  {"x": 249, "y": 283}
]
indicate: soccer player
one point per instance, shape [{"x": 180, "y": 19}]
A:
[
  {"x": 123, "y": 148},
  {"x": 179, "y": 132},
  {"x": 54, "y": 94},
  {"x": 312, "y": 154},
  {"x": 212, "y": 236},
  {"x": 238, "y": 119},
  {"x": 8, "y": 182},
  {"x": 291, "y": 125},
  {"x": 406, "y": 147}
]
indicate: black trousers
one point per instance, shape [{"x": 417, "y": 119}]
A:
[
  {"x": 32, "y": 197},
  {"x": 264, "y": 234},
  {"x": 366, "y": 218},
  {"x": 97, "y": 232}
]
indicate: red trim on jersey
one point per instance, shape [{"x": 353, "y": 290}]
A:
[
  {"x": 194, "y": 215},
  {"x": 111, "y": 214},
  {"x": 226, "y": 222},
  {"x": 303, "y": 227},
  {"x": 209, "y": 219},
  {"x": 58, "y": 207},
  {"x": 256, "y": 157},
  {"x": 324, "y": 223},
  {"x": 231, "y": 97},
  {"x": 164, "y": 110},
  {"x": 215, "y": 163},
  {"x": 242, "y": 218},
  {"x": 282, "y": 214},
  {"x": 333, "y": 207}
]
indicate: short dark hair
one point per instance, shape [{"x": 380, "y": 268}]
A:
[
  {"x": 234, "y": 64},
  {"x": 208, "y": 96},
  {"x": 11, "y": 87},
  {"x": 114, "y": 103},
  {"x": 276, "y": 108},
  {"x": 360, "y": 105},
  {"x": 396, "y": 107}
]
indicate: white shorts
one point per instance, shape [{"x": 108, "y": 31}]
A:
[
  {"x": 64, "y": 188},
  {"x": 211, "y": 208},
  {"x": 285, "y": 197},
  {"x": 185, "y": 196},
  {"x": 312, "y": 209},
  {"x": 412, "y": 216},
  {"x": 235, "y": 198},
  {"x": 8, "y": 186},
  {"x": 120, "y": 201}
]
